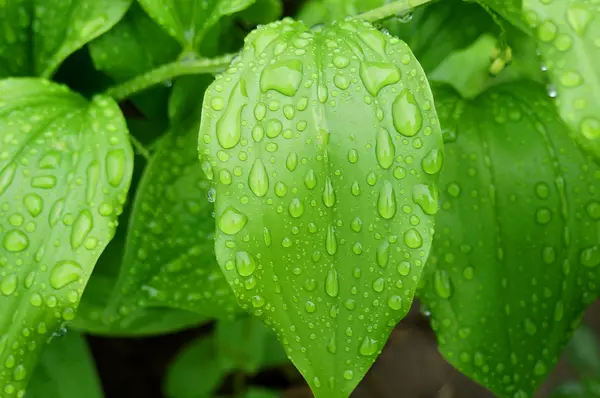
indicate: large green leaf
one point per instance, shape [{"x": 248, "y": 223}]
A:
[
  {"x": 568, "y": 32},
  {"x": 65, "y": 370},
  {"x": 65, "y": 168},
  {"x": 189, "y": 21},
  {"x": 169, "y": 257},
  {"x": 37, "y": 35},
  {"x": 516, "y": 254},
  {"x": 324, "y": 147}
]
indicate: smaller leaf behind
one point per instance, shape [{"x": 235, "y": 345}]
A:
[
  {"x": 65, "y": 370},
  {"x": 38, "y": 35}
]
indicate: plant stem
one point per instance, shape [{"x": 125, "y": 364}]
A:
[
  {"x": 139, "y": 147},
  {"x": 394, "y": 8},
  {"x": 167, "y": 72}
]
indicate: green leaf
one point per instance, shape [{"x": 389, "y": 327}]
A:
[
  {"x": 325, "y": 185},
  {"x": 190, "y": 21},
  {"x": 38, "y": 35},
  {"x": 245, "y": 344},
  {"x": 91, "y": 315},
  {"x": 515, "y": 256},
  {"x": 195, "y": 372},
  {"x": 262, "y": 11},
  {"x": 509, "y": 9},
  {"x": 136, "y": 45},
  {"x": 436, "y": 31},
  {"x": 65, "y": 168},
  {"x": 570, "y": 390},
  {"x": 568, "y": 33},
  {"x": 169, "y": 258},
  {"x": 65, "y": 370}
]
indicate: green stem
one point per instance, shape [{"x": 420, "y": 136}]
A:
[
  {"x": 394, "y": 8},
  {"x": 139, "y": 147},
  {"x": 167, "y": 72}
]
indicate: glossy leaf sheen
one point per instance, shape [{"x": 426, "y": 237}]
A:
[
  {"x": 568, "y": 33},
  {"x": 38, "y": 35},
  {"x": 188, "y": 21},
  {"x": 65, "y": 168},
  {"x": 65, "y": 370},
  {"x": 169, "y": 258},
  {"x": 515, "y": 258},
  {"x": 324, "y": 148}
]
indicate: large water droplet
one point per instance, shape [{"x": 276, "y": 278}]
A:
[
  {"x": 330, "y": 241},
  {"x": 328, "y": 193},
  {"x": 369, "y": 347},
  {"x": 81, "y": 228},
  {"x": 426, "y": 197},
  {"x": 332, "y": 286},
  {"x": 15, "y": 241},
  {"x": 376, "y": 75},
  {"x": 245, "y": 263},
  {"x": 64, "y": 273},
  {"x": 432, "y": 162},
  {"x": 258, "y": 180},
  {"x": 296, "y": 208},
  {"x": 229, "y": 126},
  {"x": 579, "y": 18},
  {"x": 406, "y": 114},
  {"x": 9, "y": 284},
  {"x": 232, "y": 221},
  {"x": 441, "y": 284},
  {"x": 34, "y": 204},
  {"x": 310, "y": 179},
  {"x": 283, "y": 76},
  {"x": 383, "y": 254},
  {"x": 385, "y": 149},
  {"x": 115, "y": 167},
  {"x": 386, "y": 202}
]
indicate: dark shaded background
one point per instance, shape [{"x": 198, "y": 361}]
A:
[{"x": 409, "y": 367}]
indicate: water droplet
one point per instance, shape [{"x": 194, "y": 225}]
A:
[
  {"x": 590, "y": 257},
  {"x": 81, "y": 228},
  {"x": 245, "y": 263},
  {"x": 9, "y": 284},
  {"x": 383, "y": 254},
  {"x": 328, "y": 193},
  {"x": 283, "y": 76},
  {"x": 296, "y": 208},
  {"x": 441, "y": 284},
  {"x": 6, "y": 177},
  {"x": 546, "y": 32},
  {"x": 352, "y": 156},
  {"x": 348, "y": 374},
  {"x": 386, "y": 203},
  {"x": 15, "y": 241},
  {"x": 579, "y": 18},
  {"x": 404, "y": 268},
  {"x": 406, "y": 114},
  {"x": 34, "y": 204},
  {"x": 310, "y": 179},
  {"x": 369, "y": 347},
  {"x": 310, "y": 307},
  {"x": 385, "y": 149},
  {"x": 356, "y": 224},
  {"x": 379, "y": 285},
  {"x": 330, "y": 241},
  {"x": 340, "y": 61},
  {"x": 341, "y": 82},
  {"x": 64, "y": 273},
  {"x": 274, "y": 128},
  {"x": 115, "y": 167},
  {"x": 426, "y": 197},
  {"x": 530, "y": 327},
  {"x": 292, "y": 161},
  {"x": 332, "y": 286},
  {"x": 590, "y": 128},
  {"x": 432, "y": 162},
  {"x": 258, "y": 180},
  {"x": 267, "y": 236},
  {"x": 376, "y": 75},
  {"x": 229, "y": 130},
  {"x": 332, "y": 346},
  {"x": 232, "y": 221},
  {"x": 395, "y": 302},
  {"x": 593, "y": 210},
  {"x": 44, "y": 182}
]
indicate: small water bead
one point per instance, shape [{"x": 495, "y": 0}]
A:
[
  {"x": 8, "y": 285},
  {"x": 432, "y": 162},
  {"x": 289, "y": 112},
  {"x": 330, "y": 241},
  {"x": 258, "y": 133},
  {"x": 593, "y": 210},
  {"x": 356, "y": 224},
  {"x": 383, "y": 254},
  {"x": 355, "y": 189},
  {"x": 341, "y": 82},
  {"x": 310, "y": 307},
  {"x": 340, "y": 61},
  {"x": 372, "y": 179},
  {"x": 260, "y": 110},
  {"x": 543, "y": 215},
  {"x": 404, "y": 268},
  {"x": 546, "y": 31},
  {"x": 310, "y": 179},
  {"x": 348, "y": 374},
  {"x": 385, "y": 149},
  {"x": 34, "y": 204},
  {"x": 406, "y": 114},
  {"x": 332, "y": 286}
]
